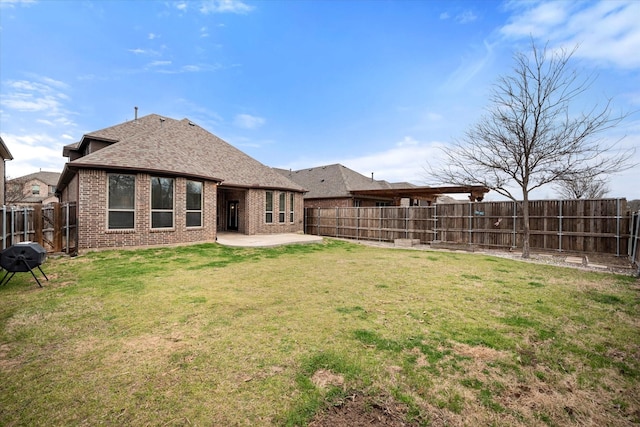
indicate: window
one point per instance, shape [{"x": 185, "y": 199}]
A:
[
  {"x": 291, "y": 197},
  {"x": 268, "y": 207},
  {"x": 35, "y": 189},
  {"x": 281, "y": 206},
  {"x": 121, "y": 193},
  {"x": 194, "y": 204},
  {"x": 161, "y": 202},
  {"x": 52, "y": 190}
]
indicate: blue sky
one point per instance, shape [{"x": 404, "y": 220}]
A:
[{"x": 379, "y": 86}]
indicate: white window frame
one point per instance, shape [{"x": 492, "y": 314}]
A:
[
  {"x": 173, "y": 204},
  {"x": 132, "y": 210},
  {"x": 188, "y": 211},
  {"x": 268, "y": 209}
]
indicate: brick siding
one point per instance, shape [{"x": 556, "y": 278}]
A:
[{"x": 92, "y": 215}]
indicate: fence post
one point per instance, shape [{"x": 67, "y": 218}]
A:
[
  {"x": 57, "y": 227},
  {"x": 4, "y": 227},
  {"x": 406, "y": 222},
  {"x": 13, "y": 225},
  {"x": 435, "y": 221},
  {"x": 66, "y": 229},
  {"x": 38, "y": 224},
  {"x": 560, "y": 226},
  {"x": 470, "y": 222},
  {"x": 617, "y": 227},
  {"x": 515, "y": 218}
]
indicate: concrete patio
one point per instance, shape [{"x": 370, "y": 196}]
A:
[{"x": 265, "y": 240}]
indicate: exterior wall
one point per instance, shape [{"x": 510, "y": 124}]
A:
[
  {"x": 92, "y": 214},
  {"x": 328, "y": 203},
  {"x": 225, "y": 196},
  {"x": 22, "y": 192},
  {"x": 255, "y": 213},
  {"x": 3, "y": 173}
]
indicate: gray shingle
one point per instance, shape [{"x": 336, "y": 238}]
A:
[{"x": 179, "y": 147}]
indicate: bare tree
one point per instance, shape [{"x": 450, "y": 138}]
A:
[
  {"x": 529, "y": 137},
  {"x": 582, "y": 187},
  {"x": 14, "y": 191}
]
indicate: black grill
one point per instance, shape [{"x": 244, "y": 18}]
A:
[{"x": 20, "y": 258}]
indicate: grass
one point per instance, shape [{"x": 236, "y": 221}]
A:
[{"x": 211, "y": 335}]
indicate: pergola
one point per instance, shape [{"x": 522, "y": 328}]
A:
[{"x": 430, "y": 194}]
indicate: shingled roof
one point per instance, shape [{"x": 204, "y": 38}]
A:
[
  {"x": 157, "y": 144},
  {"x": 49, "y": 178},
  {"x": 332, "y": 181}
]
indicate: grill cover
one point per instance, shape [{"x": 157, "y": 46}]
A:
[{"x": 13, "y": 258}]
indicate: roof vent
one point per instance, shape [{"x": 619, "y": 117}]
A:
[
  {"x": 135, "y": 113},
  {"x": 191, "y": 124}
]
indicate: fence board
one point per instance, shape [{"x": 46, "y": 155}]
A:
[
  {"x": 586, "y": 226},
  {"x": 53, "y": 226}
]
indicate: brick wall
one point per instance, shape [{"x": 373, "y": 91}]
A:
[
  {"x": 329, "y": 203},
  {"x": 256, "y": 222},
  {"x": 92, "y": 215}
]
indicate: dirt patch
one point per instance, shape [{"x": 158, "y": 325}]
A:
[
  {"x": 7, "y": 363},
  {"x": 323, "y": 378},
  {"x": 361, "y": 411}
]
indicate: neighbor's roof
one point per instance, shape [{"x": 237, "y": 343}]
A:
[
  {"x": 338, "y": 181},
  {"x": 332, "y": 181},
  {"x": 4, "y": 151},
  {"x": 49, "y": 178},
  {"x": 157, "y": 144}
]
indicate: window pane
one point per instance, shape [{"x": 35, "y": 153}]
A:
[
  {"x": 194, "y": 195},
  {"x": 269, "y": 204},
  {"x": 194, "y": 219},
  {"x": 121, "y": 191},
  {"x": 161, "y": 219},
  {"x": 118, "y": 220},
  {"x": 161, "y": 193},
  {"x": 269, "y": 217},
  {"x": 291, "y": 198}
]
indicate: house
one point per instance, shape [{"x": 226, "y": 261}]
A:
[
  {"x": 6, "y": 155},
  {"x": 37, "y": 188},
  {"x": 156, "y": 180},
  {"x": 338, "y": 186}
]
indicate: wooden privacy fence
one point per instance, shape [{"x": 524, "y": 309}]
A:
[
  {"x": 634, "y": 241},
  {"x": 597, "y": 226},
  {"x": 53, "y": 226}
]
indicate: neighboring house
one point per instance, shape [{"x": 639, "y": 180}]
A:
[
  {"x": 338, "y": 186},
  {"x": 156, "y": 180},
  {"x": 6, "y": 155},
  {"x": 38, "y": 188}
]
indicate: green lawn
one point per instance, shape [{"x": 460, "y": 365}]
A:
[{"x": 210, "y": 335}]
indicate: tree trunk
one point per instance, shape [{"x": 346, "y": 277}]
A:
[{"x": 526, "y": 230}]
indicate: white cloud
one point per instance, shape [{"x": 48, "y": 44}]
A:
[
  {"x": 32, "y": 152},
  {"x": 405, "y": 161},
  {"x": 36, "y": 122},
  {"x": 466, "y": 16},
  {"x": 152, "y": 36},
  {"x": 470, "y": 66},
  {"x": 14, "y": 3},
  {"x": 247, "y": 121},
  {"x": 225, "y": 6},
  {"x": 159, "y": 63},
  {"x": 606, "y": 31}
]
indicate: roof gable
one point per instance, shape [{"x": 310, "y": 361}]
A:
[
  {"x": 332, "y": 181},
  {"x": 179, "y": 147},
  {"x": 49, "y": 178}
]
